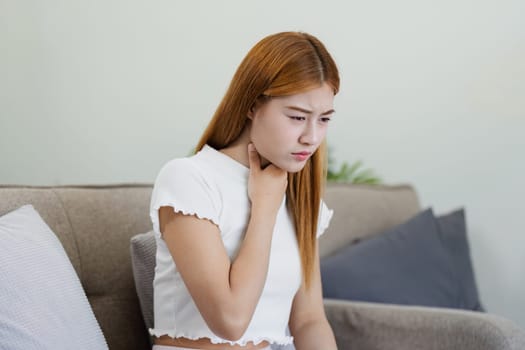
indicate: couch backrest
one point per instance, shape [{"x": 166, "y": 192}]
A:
[
  {"x": 95, "y": 225},
  {"x": 362, "y": 211}
]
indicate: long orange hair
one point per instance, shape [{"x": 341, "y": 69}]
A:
[{"x": 281, "y": 64}]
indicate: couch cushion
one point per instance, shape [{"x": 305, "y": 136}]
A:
[
  {"x": 42, "y": 303},
  {"x": 48, "y": 205},
  {"x": 362, "y": 211},
  {"x": 453, "y": 229},
  {"x": 423, "y": 261},
  {"x": 103, "y": 220},
  {"x": 143, "y": 250},
  {"x": 405, "y": 265},
  {"x": 95, "y": 224}
]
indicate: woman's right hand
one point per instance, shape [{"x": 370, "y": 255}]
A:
[{"x": 266, "y": 187}]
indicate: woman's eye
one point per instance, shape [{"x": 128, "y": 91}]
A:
[
  {"x": 325, "y": 119},
  {"x": 297, "y": 118}
]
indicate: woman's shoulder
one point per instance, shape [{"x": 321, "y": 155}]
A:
[
  {"x": 180, "y": 164},
  {"x": 182, "y": 185},
  {"x": 185, "y": 165},
  {"x": 194, "y": 163},
  {"x": 180, "y": 170}
]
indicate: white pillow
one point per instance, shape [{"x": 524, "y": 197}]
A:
[{"x": 42, "y": 303}]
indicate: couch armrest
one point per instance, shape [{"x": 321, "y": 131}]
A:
[{"x": 371, "y": 326}]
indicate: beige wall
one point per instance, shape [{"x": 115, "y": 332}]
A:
[{"x": 433, "y": 94}]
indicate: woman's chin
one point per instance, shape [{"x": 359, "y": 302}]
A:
[
  {"x": 293, "y": 168},
  {"x": 290, "y": 166}
]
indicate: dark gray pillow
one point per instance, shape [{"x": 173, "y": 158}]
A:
[
  {"x": 408, "y": 264},
  {"x": 454, "y": 232}
]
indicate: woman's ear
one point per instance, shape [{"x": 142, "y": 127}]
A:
[
  {"x": 251, "y": 111},
  {"x": 256, "y": 105}
]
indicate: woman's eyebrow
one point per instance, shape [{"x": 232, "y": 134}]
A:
[{"x": 308, "y": 111}]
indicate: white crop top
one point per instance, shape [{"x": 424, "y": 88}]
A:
[{"x": 213, "y": 186}]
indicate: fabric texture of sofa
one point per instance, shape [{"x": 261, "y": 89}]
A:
[{"x": 95, "y": 225}]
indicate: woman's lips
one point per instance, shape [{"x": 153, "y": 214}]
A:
[{"x": 301, "y": 155}]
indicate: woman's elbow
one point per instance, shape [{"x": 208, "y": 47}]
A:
[{"x": 230, "y": 327}]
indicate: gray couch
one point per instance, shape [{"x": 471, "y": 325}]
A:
[{"x": 95, "y": 225}]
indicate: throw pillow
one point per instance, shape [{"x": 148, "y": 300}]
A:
[
  {"x": 42, "y": 303},
  {"x": 454, "y": 232},
  {"x": 407, "y": 264},
  {"x": 143, "y": 250}
]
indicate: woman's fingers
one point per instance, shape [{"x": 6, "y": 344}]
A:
[{"x": 253, "y": 158}]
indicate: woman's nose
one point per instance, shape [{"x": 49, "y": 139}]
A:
[{"x": 310, "y": 135}]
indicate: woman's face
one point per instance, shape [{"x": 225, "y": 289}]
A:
[{"x": 287, "y": 130}]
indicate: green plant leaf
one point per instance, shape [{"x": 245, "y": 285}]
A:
[{"x": 350, "y": 173}]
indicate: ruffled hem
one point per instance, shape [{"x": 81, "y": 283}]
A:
[
  {"x": 285, "y": 340},
  {"x": 177, "y": 209}
]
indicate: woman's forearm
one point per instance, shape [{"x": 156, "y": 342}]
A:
[
  {"x": 248, "y": 271},
  {"x": 314, "y": 335}
]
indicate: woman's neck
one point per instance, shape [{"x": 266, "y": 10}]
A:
[{"x": 238, "y": 149}]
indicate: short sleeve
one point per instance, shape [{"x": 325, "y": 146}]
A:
[
  {"x": 325, "y": 215},
  {"x": 181, "y": 185}
]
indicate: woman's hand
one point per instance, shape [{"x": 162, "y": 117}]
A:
[{"x": 266, "y": 187}]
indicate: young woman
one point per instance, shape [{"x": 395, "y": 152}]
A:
[{"x": 237, "y": 223}]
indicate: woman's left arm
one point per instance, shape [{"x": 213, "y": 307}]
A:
[{"x": 308, "y": 323}]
